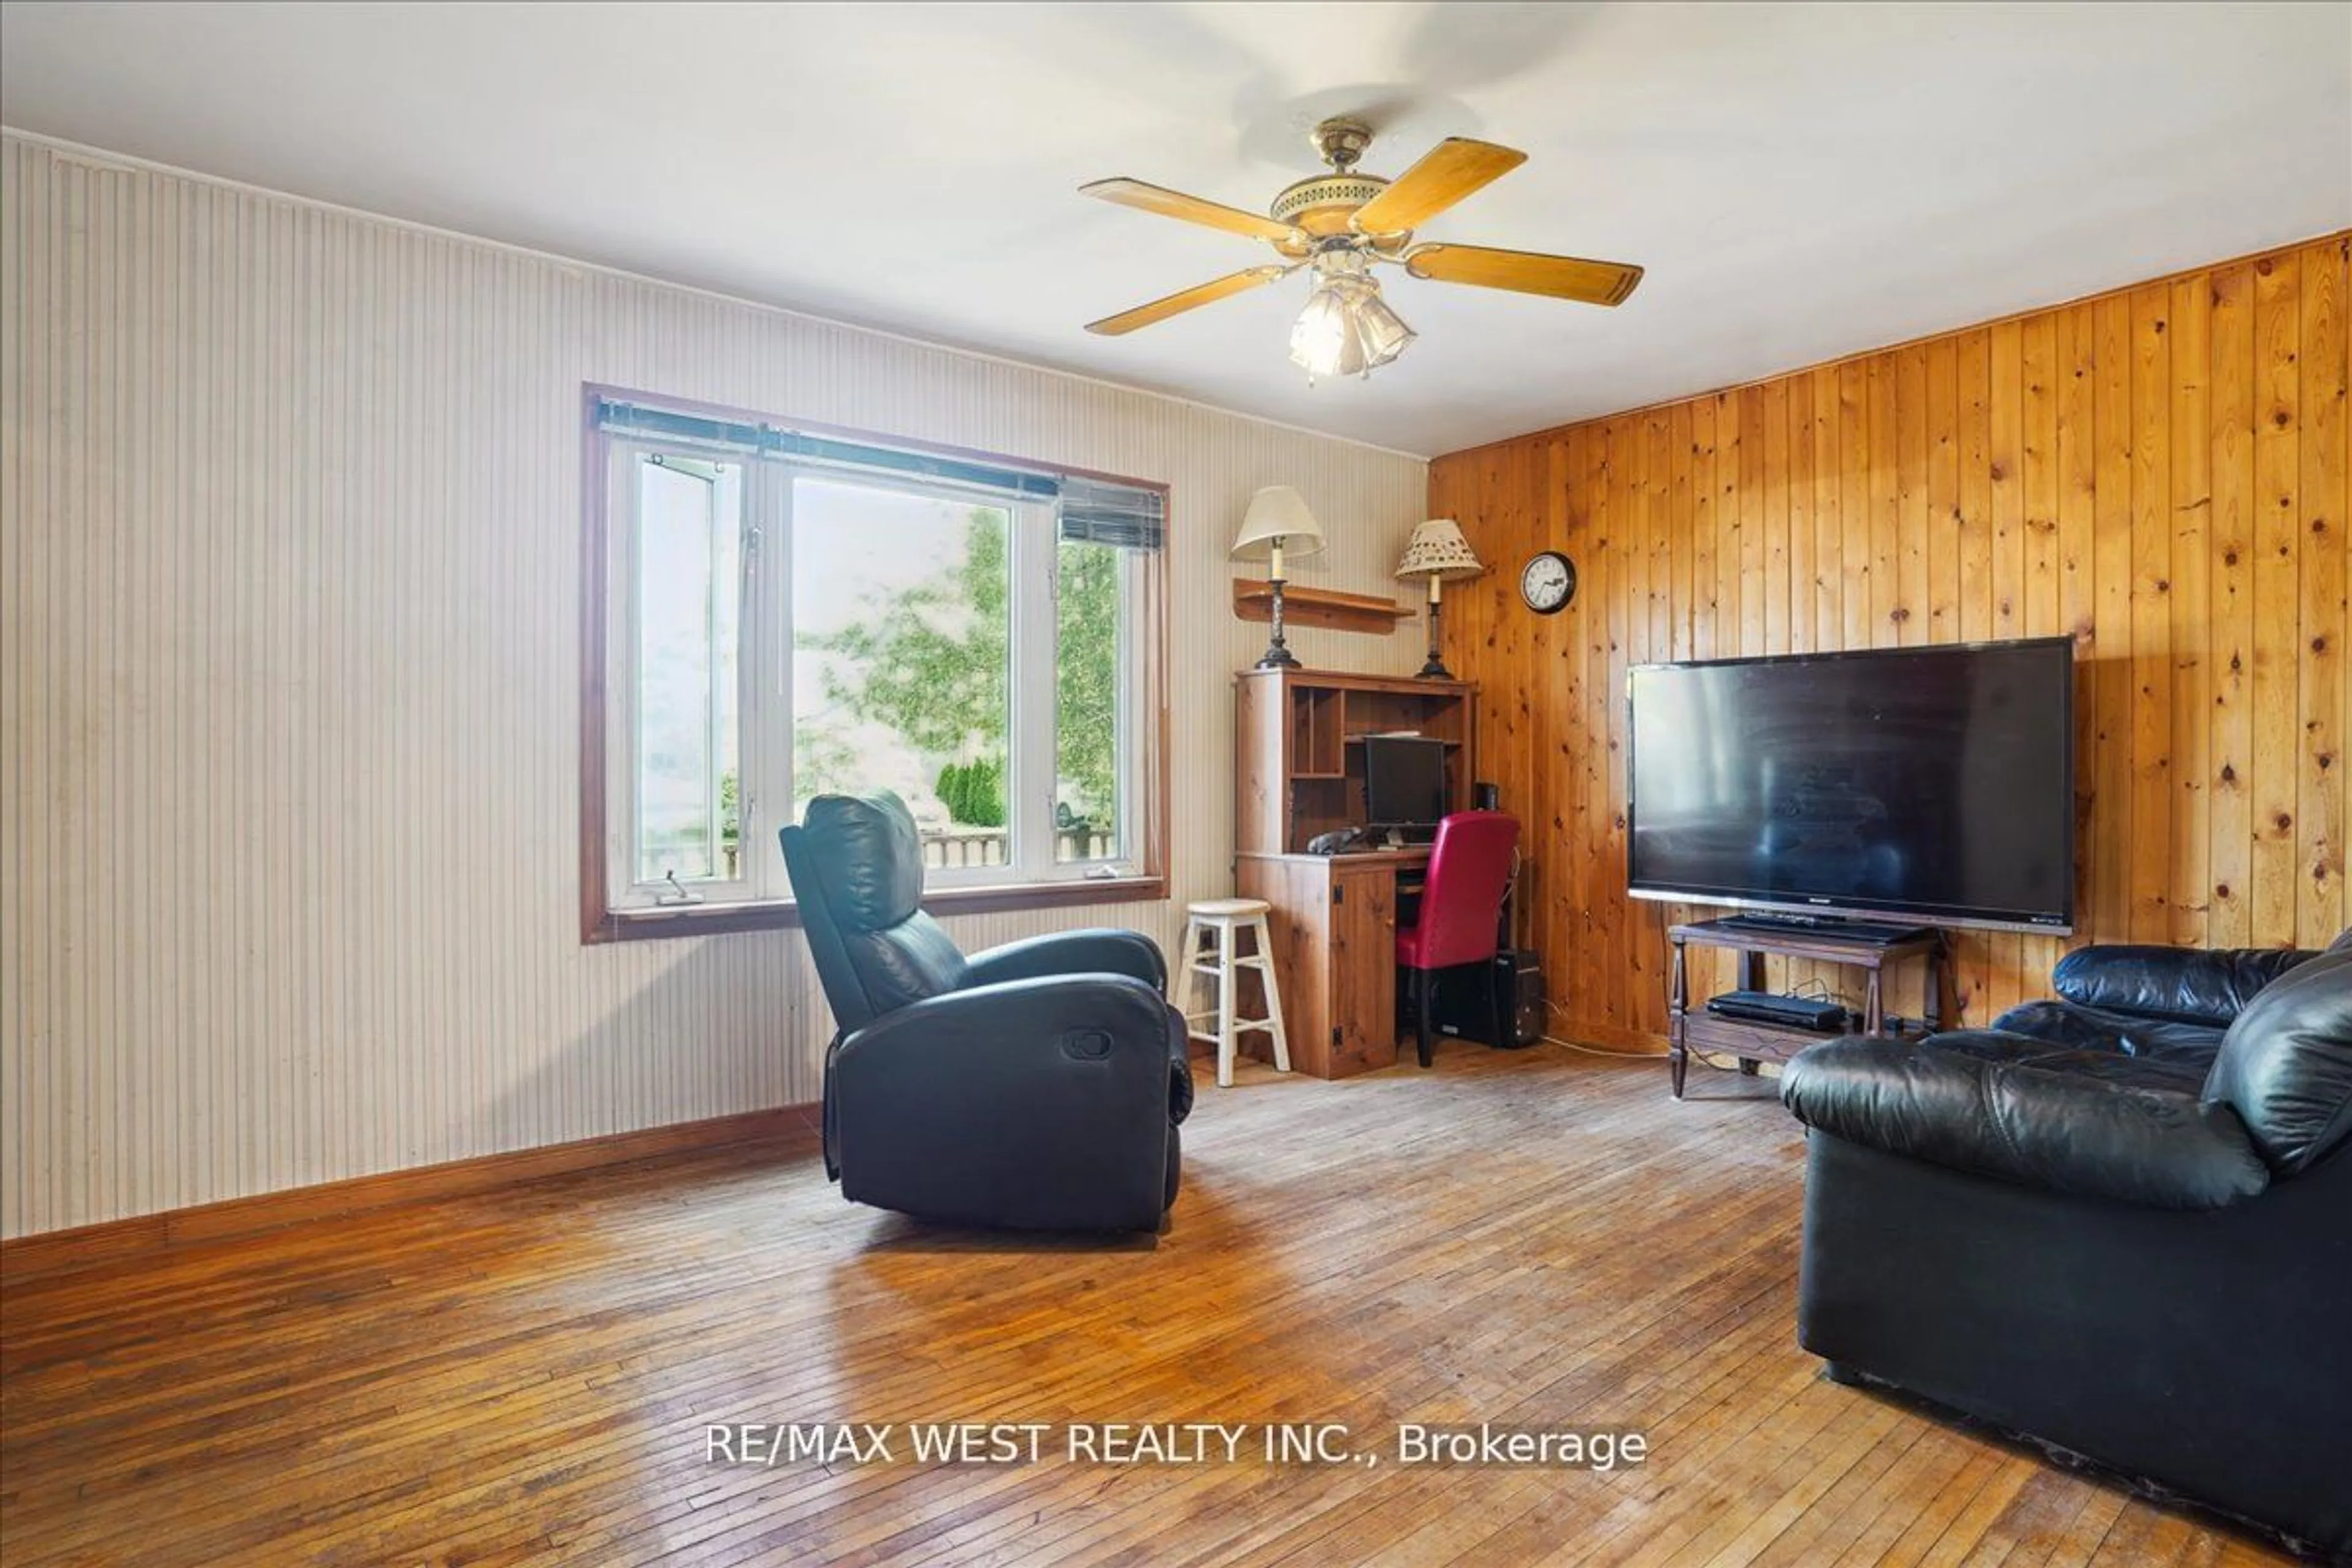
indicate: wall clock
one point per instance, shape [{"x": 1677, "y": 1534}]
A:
[{"x": 1548, "y": 582}]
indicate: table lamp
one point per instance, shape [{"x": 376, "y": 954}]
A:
[
  {"x": 1437, "y": 551},
  {"x": 1277, "y": 523}
]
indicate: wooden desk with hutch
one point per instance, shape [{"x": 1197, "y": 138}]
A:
[{"x": 1298, "y": 764}]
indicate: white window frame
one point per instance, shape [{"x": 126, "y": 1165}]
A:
[
  {"x": 1130, "y": 755},
  {"x": 625, "y": 887},
  {"x": 765, "y": 712}
]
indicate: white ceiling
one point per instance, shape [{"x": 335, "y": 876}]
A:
[{"x": 1802, "y": 181}]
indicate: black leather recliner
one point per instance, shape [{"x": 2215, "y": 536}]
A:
[
  {"x": 2119, "y": 1223},
  {"x": 1038, "y": 1086}
]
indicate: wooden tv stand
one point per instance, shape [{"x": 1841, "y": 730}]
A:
[{"x": 1696, "y": 1029}]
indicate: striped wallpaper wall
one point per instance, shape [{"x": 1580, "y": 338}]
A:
[{"x": 290, "y": 675}]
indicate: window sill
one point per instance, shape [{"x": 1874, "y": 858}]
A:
[{"x": 719, "y": 920}]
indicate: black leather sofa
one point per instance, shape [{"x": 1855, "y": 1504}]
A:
[
  {"x": 1036, "y": 1085},
  {"x": 2118, "y": 1223}
]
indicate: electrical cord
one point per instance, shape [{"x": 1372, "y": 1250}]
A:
[
  {"x": 1597, "y": 1051},
  {"x": 1712, "y": 1059},
  {"x": 1818, "y": 990},
  {"x": 1551, "y": 1006}
]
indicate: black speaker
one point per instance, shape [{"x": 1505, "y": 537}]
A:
[
  {"x": 1487, "y": 796},
  {"x": 1499, "y": 1002}
]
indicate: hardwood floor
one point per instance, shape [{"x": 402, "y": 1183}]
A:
[{"x": 1535, "y": 1239}]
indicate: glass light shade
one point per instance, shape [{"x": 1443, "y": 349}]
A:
[
  {"x": 1347, "y": 329},
  {"x": 1322, "y": 338},
  {"x": 1380, "y": 329}
]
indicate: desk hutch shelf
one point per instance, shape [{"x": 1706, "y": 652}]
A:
[
  {"x": 1298, "y": 748},
  {"x": 1298, "y": 773}
]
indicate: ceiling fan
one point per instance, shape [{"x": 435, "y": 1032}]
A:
[{"x": 1340, "y": 225}]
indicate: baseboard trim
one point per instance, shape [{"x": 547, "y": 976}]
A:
[{"x": 24, "y": 1257}]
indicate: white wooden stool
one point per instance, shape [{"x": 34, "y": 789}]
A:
[{"x": 1209, "y": 949}]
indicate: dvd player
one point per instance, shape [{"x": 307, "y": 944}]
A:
[{"x": 1810, "y": 1013}]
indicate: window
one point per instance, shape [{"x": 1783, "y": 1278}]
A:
[
  {"x": 689, "y": 597},
  {"x": 787, "y": 613}
]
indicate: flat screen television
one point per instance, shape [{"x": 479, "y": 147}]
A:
[{"x": 1932, "y": 783}]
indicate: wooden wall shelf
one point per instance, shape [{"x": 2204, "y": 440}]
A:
[{"x": 1326, "y": 607}]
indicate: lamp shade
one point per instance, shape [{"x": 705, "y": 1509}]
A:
[
  {"x": 1438, "y": 550},
  {"x": 1277, "y": 513}
]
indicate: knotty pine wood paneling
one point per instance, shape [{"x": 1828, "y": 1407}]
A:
[
  {"x": 2158, "y": 472},
  {"x": 289, "y": 682}
]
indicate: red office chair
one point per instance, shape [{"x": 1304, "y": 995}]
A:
[{"x": 1460, "y": 903}]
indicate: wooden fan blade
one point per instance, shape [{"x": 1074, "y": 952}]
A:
[
  {"x": 1446, "y": 173},
  {"x": 1560, "y": 277},
  {"x": 1190, "y": 299},
  {"x": 1192, "y": 209}
]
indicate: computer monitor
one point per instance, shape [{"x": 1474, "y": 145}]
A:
[{"x": 1404, "y": 781}]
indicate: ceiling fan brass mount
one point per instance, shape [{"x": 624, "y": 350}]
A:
[
  {"x": 1340, "y": 140},
  {"x": 1321, "y": 205},
  {"x": 1341, "y": 223}
]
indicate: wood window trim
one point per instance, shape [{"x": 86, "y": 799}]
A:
[
  {"x": 785, "y": 914},
  {"x": 601, "y": 924}
]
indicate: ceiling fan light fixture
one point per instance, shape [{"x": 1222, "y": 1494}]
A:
[
  {"x": 1343, "y": 222},
  {"x": 1347, "y": 329}
]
